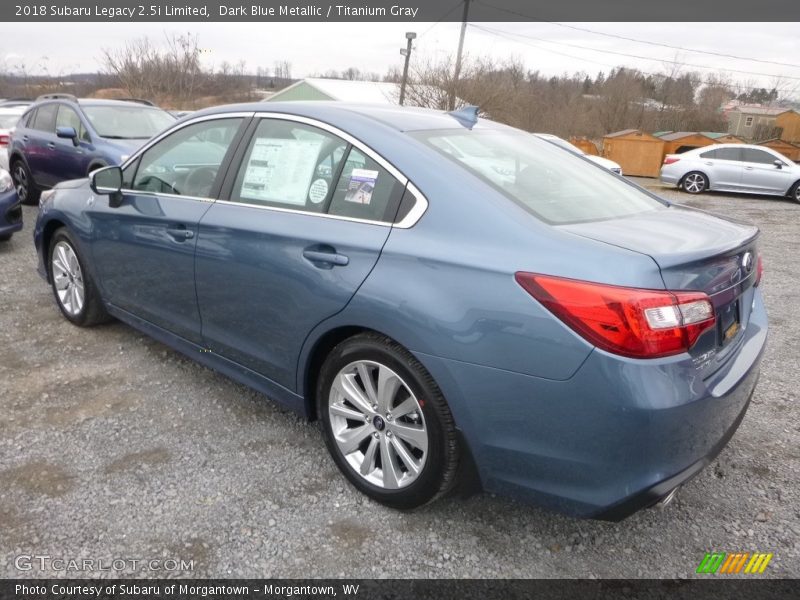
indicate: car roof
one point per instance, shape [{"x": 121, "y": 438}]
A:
[{"x": 400, "y": 118}]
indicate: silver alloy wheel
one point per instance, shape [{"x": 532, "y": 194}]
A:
[
  {"x": 67, "y": 278},
  {"x": 797, "y": 192},
  {"x": 694, "y": 183},
  {"x": 21, "y": 181},
  {"x": 378, "y": 425}
]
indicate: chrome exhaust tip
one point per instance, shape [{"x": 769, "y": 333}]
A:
[{"x": 667, "y": 499}]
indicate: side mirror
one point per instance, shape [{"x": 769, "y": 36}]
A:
[
  {"x": 108, "y": 181},
  {"x": 778, "y": 163},
  {"x": 68, "y": 133}
]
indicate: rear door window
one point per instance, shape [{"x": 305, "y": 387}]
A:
[
  {"x": 45, "y": 119},
  {"x": 289, "y": 165},
  {"x": 729, "y": 154}
]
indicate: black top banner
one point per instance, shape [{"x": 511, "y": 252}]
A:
[{"x": 399, "y": 10}]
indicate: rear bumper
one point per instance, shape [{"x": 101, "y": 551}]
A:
[
  {"x": 654, "y": 494},
  {"x": 614, "y": 438},
  {"x": 669, "y": 178}
]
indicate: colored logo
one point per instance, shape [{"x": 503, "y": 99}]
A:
[{"x": 736, "y": 562}]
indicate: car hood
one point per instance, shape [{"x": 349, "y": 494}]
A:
[
  {"x": 603, "y": 162},
  {"x": 126, "y": 146}
]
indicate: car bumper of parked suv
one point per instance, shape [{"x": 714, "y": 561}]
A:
[
  {"x": 591, "y": 446},
  {"x": 10, "y": 213}
]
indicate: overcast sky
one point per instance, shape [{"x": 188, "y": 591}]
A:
[{"x": 317, "y": 47}]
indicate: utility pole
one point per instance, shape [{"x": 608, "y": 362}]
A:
[
  {"x": 410, "y": 35},
  {"x": 451, "y": 101}
]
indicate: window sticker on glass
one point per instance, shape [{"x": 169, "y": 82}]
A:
[
  {"x": 318, "y": 191},
  {"x": 280, "y": 170},
  {"x": 362, "y": 184}
]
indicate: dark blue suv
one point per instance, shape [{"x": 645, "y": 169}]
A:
[{"x": 61, "y": 137}]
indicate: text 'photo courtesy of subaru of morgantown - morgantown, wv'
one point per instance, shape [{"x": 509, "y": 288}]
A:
[{"x": 433, "y": 287}]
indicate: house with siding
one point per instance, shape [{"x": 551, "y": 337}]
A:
[{"x": 758, "y": 123}]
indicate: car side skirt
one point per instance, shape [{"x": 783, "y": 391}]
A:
[{"x": 214, "y": 361}]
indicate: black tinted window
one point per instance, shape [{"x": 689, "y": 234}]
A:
[
  {"x": 46, "y": 118},
  {"x": 758, "y": 156},
  {"x": 728, "y": 153},
  {"x": 709, "y": 154}
]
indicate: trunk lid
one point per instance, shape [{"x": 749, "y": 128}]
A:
[{"x": 694, "y": 251}]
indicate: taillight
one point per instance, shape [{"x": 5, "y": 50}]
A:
[
  {"x": 4, "y": 139},
  {"x": 668, "y": 160},
  {"x": 627, "y": 321},
  {"x": 759, "y": 270}
]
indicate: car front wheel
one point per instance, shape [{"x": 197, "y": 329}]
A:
[
  {"x": 73, "y": 288},
  {"x": 695, "y": 183},
  {"x": 386, "y": 423}
]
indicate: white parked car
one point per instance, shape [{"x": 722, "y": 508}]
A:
[
  {"x": 598, "y": 160},
  {"x": 733, "y": 168},
  {"x": 8, "y": 119}
]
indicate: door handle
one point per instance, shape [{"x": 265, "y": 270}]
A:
[
  {"x": 749, "y": 168},
  {"x": 709, "y": 163},
  {"x": 51, "y": 145},
  {"x": 326, "y": 258},
  {"x": 180, "y": 233}
]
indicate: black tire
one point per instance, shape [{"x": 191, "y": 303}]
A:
[
  {"x": 5, "y": 237},
  {"x": 27, "y": 192},
  {"x": 795, "y": 193},
  {"x": 94, "y": 167},
  {"x": 438, "y": 475},
  {"x": 92, "y": 311},
  {"x": 694, "y": 182}
]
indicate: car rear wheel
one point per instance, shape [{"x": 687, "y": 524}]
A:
[
  {"x": 386, "y": 423},
  {"x": 695, "y": 183},
  {"x": 73, "y": 288},
  {"x": 27, "y": 192}
]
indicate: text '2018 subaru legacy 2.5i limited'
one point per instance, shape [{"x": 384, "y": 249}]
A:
[{"x": 505, "y": 313}]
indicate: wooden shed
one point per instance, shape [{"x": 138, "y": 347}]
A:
[
  {"x": 584, "y": 144},
  {"x": 638, "y": 153},
  {"x": 676, "y": 142},
  {"x": 789, "y": 150},
  {"x": 789, "y": 122},
  {"x": 723, "y": 138}
]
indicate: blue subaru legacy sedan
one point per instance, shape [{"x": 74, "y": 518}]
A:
[{"x": 457, "y": 301}]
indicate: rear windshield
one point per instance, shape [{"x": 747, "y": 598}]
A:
[
  {"x": 127, "y": 122},
  {"x": 555, "y": 186}
]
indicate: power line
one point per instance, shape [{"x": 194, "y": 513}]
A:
[
  {"x": 630, "y": 39},
  {"x": 638, "y": 56},
  {"x": 683, "y": 48},
  {"x": 730, "y": 87},
  {"x": 442, "y": 18}
]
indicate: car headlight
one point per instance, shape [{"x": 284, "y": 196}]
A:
[{"x": 6, "y": 183}]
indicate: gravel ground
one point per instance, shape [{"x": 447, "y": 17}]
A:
[{"x": 112, "y": 446}]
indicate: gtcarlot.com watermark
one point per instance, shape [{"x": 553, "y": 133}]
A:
[{"x": 44, "y": 562}]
